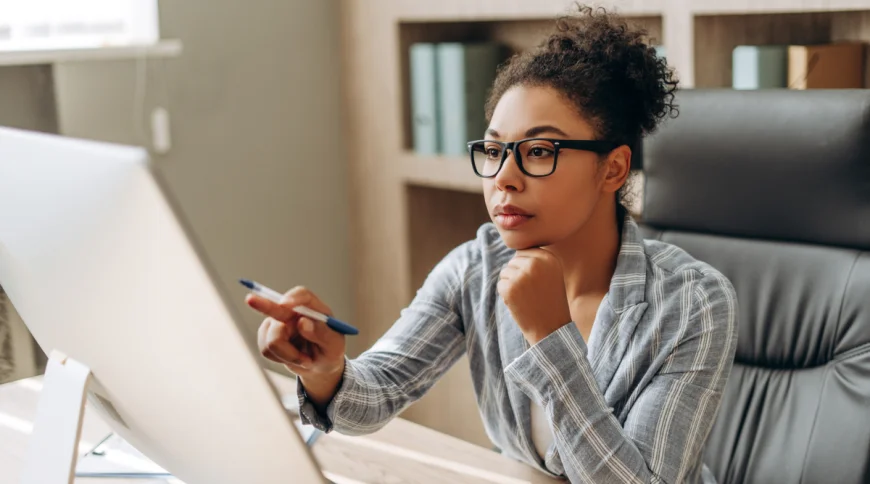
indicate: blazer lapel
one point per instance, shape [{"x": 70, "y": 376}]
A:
[{"x": 621, "y": 309}]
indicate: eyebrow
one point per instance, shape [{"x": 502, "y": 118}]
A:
[{"x": 533, "y": 132}]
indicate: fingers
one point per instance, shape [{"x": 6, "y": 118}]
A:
[
  {"x": 320, "y": 334},
  {"x": 261, "y": 333},
  {"x": 535, "y": 252},
  {"x": 277, "y": 346},
  {"x": 287, "y": 337},
  {"x": 301, "y": 296},
  {"x": 508, "y": 271},
  {"x": 538, "y": 253},
  {"x": 278, "y": 343},
  {"x": 281, "y": 312},
  {"x": 534, "y": 261},
  {"x": 298, "y": 296}
]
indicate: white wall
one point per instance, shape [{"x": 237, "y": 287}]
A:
[{"x": 258, "y": 162}]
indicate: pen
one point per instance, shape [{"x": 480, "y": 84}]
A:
[{"x": 275, "y": 296}]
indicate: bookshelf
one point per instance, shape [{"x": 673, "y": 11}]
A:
[
  {"x": 717, "y": 35},
  {"x": 517, "y": 35},
  {"x": 408, "y": 210},
  {"x": 708, "y": 7}
]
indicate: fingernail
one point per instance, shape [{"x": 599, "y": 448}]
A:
[{"x": 308, "y": 325}]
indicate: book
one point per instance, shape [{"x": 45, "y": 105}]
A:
[
  {"x": 829, "y": 66},
  {"x": 759, "y": 66},
  {"x": 424, "y": 98},
  {"x": 465, "y": 76}
]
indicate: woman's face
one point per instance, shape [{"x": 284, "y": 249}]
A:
[{"x": 533, "y": 212}]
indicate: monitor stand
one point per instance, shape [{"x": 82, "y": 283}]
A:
[
  {"x": 54, "y": 443},
  {"x": 53, "y": 452}
]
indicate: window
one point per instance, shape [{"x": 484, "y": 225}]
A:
[{"x": 63, "y": 24}]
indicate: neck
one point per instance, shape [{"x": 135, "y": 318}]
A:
[{"x": 589, "y": 256}]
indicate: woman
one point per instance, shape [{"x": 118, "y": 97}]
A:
[{"x": 595, "y": 355}]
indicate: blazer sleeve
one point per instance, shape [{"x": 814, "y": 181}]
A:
[
  {"x": 426, "y": 340},
  {"x": 664, "y": 434}
]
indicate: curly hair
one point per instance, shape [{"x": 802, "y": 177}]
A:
[{"x": 605, "y": 68}]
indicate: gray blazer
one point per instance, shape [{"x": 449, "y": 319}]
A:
[{"x": 633, "y": 404}]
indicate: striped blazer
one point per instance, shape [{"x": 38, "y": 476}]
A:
[{"x": 633, "y": 404}]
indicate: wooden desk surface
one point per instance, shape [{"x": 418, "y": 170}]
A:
[{"x": 400, "y": 452}]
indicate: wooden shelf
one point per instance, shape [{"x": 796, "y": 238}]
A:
[
  {"x": 450, "y": 10},
  {"x": 447, "y": 172},
  {"x": 715, "y": 37},
  {"x": 164, "y": 48},
  {"x": 741, "y": 7}
]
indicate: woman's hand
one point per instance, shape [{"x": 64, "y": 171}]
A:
[
  {"x": 306, "y": 347},
  {"x": 532, "y": 286}
]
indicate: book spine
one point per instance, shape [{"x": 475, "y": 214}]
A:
[
  {"x": 424, "y": 98},
  {"x": 481, "y": 65},
  {"x": 759, "y": 67},
  {"x": 827, "y": 66},
  {"x": 797, "y": 67},
  {"x": 451, "y": 98}
]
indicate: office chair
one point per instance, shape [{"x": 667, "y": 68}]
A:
[{"x": 772, "y": 188}]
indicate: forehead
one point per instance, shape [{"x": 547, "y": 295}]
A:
[{"x": 525, "y": 107}]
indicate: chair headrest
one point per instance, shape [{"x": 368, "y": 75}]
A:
[{"x": 768, "y": 164}]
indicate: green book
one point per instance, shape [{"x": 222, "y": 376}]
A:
[
  {"x": 424, "y": 98},
  {"x": 759, "y": 67},
  {"x": 465, "y": 76}
]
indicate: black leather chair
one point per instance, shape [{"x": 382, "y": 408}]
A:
[{"x": 773, "y": 189}]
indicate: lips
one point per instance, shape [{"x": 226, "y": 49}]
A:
[
  {"x": 510, "y": 210},
  {"x": 511, "y": 217}
]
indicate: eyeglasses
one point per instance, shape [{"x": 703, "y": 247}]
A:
[{"x": 536, "y": 157}]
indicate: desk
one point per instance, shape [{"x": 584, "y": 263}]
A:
[{"x": 400, "y": 452}]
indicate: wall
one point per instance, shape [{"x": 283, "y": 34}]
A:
[
  {"x": 26, "y": 98},
  {"x": 26, "y": 102},
  {"x": 258, "y": 162}
]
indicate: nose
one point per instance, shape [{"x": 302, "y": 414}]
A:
[{"x": 510, "y": 178}]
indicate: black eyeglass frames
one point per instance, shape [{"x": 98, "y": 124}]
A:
[{"x": 536, "y": 157}]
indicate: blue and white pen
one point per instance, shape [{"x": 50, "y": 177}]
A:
[{"x": 276, "y": 297}]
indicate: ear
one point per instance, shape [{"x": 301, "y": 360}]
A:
[{"x": 616, "y": 169}]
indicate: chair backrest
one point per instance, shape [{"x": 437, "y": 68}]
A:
[{"x": 773, "y": 189}]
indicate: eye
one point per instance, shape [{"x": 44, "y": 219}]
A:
[
  {"x": 493, "y": 152},
  {"x": 539, "y": 151}
]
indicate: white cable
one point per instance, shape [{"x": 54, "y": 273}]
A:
[{"x": 139, "y": 97}]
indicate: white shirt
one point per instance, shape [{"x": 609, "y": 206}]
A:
[{"x": 542, "y": 436}]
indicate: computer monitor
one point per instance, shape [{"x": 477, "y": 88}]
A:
[{"x": 101, "y": 266}]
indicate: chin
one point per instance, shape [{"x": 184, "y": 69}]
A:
[{"x": 517, "y": 240}]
